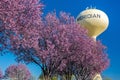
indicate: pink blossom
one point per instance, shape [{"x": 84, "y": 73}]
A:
[{"x": 19, "y": 72}]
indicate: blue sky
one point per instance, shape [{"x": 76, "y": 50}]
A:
[{"x": 110, "y": 37}]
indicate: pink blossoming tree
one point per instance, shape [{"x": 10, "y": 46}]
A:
[
  {"x": 64, "y": 48},
  {"x": 18, "y": 72}
]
